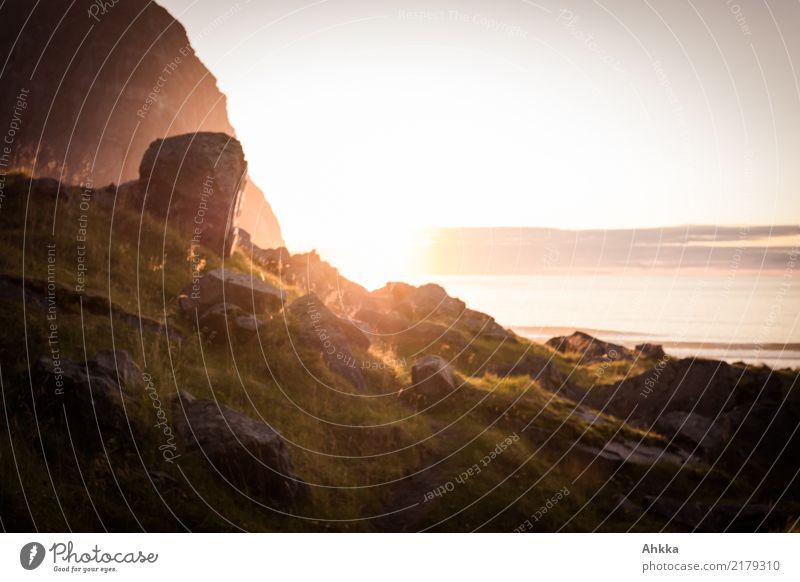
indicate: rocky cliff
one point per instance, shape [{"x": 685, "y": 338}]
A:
[{"x": 99, "y": 87}]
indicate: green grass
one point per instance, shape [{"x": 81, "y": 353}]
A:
[{"x": 369, "y": 453}]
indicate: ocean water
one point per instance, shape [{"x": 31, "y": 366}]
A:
[{"x": 743, "y": 318}]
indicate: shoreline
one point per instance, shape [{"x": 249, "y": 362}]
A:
[{"x": 773, "y": 354}]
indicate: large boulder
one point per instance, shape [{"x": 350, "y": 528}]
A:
[
  {"x": 92, "y": 404},
  {"x": 335, "y": 339},
  {"x": 703, "y": 387},
  {"x": 223, "y": 286},
  {"x": 726, "y": 414},
  {"x": 195, "y": 181},
  {"x": 248, "y": 453},
  {"x": 423, "y": 302}
]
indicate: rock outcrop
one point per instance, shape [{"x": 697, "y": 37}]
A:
[
  {"x": 588, "y": 348},
  {"x": 707, "y": 407},
  {"x": 224, "y": 286},
  {"x": 335, "y": 339},
  {"x": 230, "y": 304},
  {"x": 246, "y": 452},
  {"x": 92, "y": 405},
  {"x": 308, "y": 272},
  {"x": 98, "y": 90},
  {"x": 219, "y": 321},
  {"x": 195, "y": 182}
]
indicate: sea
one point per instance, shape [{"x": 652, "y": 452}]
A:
[{"x": 748, "y": 318}]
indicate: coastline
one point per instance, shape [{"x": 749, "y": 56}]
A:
[{"x": 773, "y": 354}]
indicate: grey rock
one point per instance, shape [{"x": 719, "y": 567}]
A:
[
  {"x": 195, "y": 181},
  {"x": 335, "y": 339},
  {"x": 694, "y": 429},
  {"x": 232, "y": 288},
  {"x": 432, "y": 380},
  {"x": 91, "y": 404},
  {"x": 118, "y": 363},
  {"x": 249, "y": 453}
]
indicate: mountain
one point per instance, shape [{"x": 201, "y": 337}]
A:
[
  {"x": 101, "y": 84},
  {"x": 536, "y": 251}
]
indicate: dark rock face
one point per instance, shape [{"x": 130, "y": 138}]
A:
[
  {"x": 220, "y": 320},
  {"x": 703, "y": 387},
  {"x": 432, "y": 380},
  {"x": 712, "y": 409},
  {"x": 99, "y": 98},
  {"x": 335, "y": 338},
  {"x": 100, "y": 398},
  {"x": 695, "y": 430},
  {"x": 232, "y": 288},
  {"x": 248, "y": 453},
  {"x": 195, "y": 181},
  {"x": 590, "y": 349}
]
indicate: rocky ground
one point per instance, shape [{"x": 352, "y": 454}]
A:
[{"x": 179, "y": 390}]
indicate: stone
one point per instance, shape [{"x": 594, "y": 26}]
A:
[
  {"x": 92, "y": 405},
  {"x": 432, "y": 380},
  {"x": 118, "y": 363},
  {"x": 381, "y": 322},
  {"x": 232, "y": 288},
  {"x": 588, "y": 348},
  {"x": 480, "y": 324},
  {"x": 704, "y": 387},
  {"x": 335, "y": 339},
  {"x": 220, "y": 320},
  {"x": 695, "y": 429},
  {"x": 248, "y": 453},
  {"x": 195, "y": 182},
  {"x": 418, "y": 303}
]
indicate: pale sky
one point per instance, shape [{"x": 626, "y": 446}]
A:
[{"x": 364, "y": 121}]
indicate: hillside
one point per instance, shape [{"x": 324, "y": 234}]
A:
[{"x": 320, "y": 406}]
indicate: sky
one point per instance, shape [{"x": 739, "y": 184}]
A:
[{"x": 366, "y": 123}]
